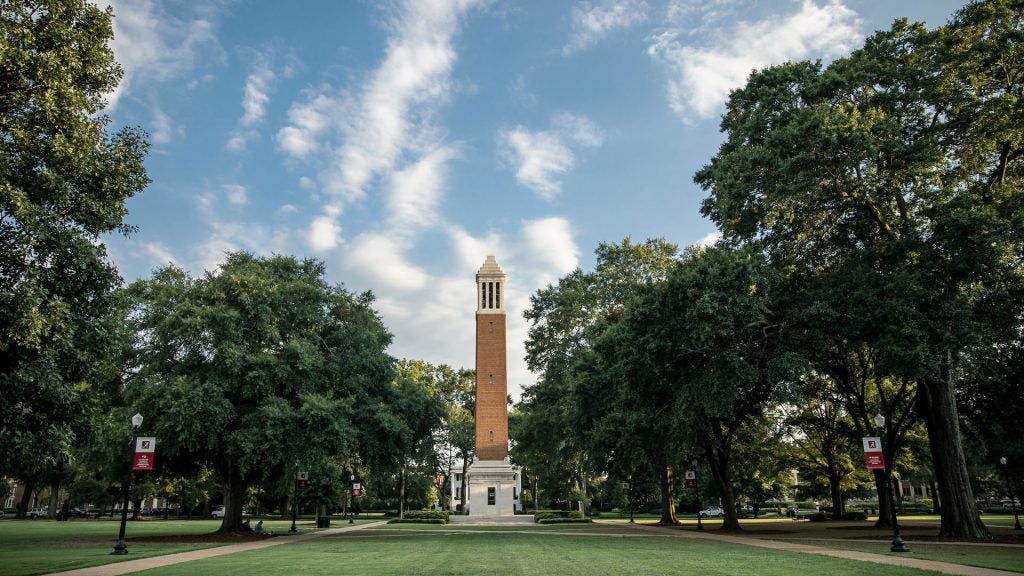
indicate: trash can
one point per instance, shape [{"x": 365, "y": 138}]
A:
[{"x": 323, "y": 521}]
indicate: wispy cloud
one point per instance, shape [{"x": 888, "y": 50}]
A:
[
  {"x": 591, "y": 23},
  {"x": 255, "y": 97},
  {"x": 703, "y": 70},
  {"x": 540, "y": 157},
  {"x": 154, "y": 47}
]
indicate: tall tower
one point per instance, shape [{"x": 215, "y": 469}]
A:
[
  {"x": 492, "y": 479},
  {"x": 491, "y": 382}
]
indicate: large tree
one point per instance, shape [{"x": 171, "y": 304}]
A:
[
  {"x": 565, "y": 320},
  {"x": 263, "y": 366},
  {"x": 905, "y": 156},
  {"x": 64, "y": 180}
]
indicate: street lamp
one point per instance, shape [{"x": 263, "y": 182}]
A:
[
  {"x": 295, "y": 497},
  {"x": 696, "y": 492},
  {"x": 1013, "y": 500},
  {"x": 120, "y": 547},
  {"x": 897, "y": 540},
  {"x": 351, "y": 498}
]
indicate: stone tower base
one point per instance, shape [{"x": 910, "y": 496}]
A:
[{"x": 485, "y": 475}]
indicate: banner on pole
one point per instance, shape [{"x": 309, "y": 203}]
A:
[
  {"x": 145, "y": 448},
  {"x": 873, "y": 457}
]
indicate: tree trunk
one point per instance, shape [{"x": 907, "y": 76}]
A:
[
  {"x": 668, "y": 498},
  {"x": 884, "y": 499},
  {"x": 718, "y": 462},
  {"x": 26, "y": 501},
  {"x": 834, "y": 481},
  {"x": 401, "y": 492},
  {"x": 54, "y": 504},
  {"x": 234, "y": 500},
  {"x": 959, "y": 515},
  {"x": 136, "y": 507}
]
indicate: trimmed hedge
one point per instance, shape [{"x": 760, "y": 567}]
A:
[
  {"x": 417, "y": 521},
  {"x": 564, "y": 521},
  {"x": 549, "y": 514},
  {"x": 818, "y": 517},
  {"x": 854, "y": 515},
  {"x": 427, "y": 515}
]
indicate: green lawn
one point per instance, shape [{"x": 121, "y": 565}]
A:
[
  {"x": 42, "y": 546},
  {"x": 518, "y": 552}
]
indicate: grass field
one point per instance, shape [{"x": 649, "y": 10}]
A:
[{"x": 41, "y": 546}]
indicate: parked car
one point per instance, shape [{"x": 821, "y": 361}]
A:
[
  {"x": 71, "y": 513},
  {"x": 712, "y": 512},
  {"x": 37, "y": 513},
  {"x": 219, "y": 512}
]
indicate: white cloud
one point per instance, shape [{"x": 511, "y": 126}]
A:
[
  {"x": 236, "y": 194},
  {"x": 255, "y": 97},
  {"x": 324, "y": 234},
  {"x": 551, "y": 247},
  {"x": 158, "y": 254},
  {"x": 709, "y": 239},
  {"x": 152, "y": 46},
  {"x": 308, "y": 120},
  {"x": 702, "y": 76},
  {"x": 257, "y": 87},
  {"x": 381, "y": 258},
  {"x": 541, "y": 157},
  {"x": 161, "y": 127},
  {"x": 590, "y": 23},
  {"x": 415, "y": 192}
]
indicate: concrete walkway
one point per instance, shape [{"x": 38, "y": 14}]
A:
[
  {"x": 906, "y": 561},
  {"x": 130, "y": 566}
]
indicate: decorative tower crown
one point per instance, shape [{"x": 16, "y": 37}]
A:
[{"x": 490, "y": 288}]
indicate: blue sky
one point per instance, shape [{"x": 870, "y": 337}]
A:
[{"x": 402, "y": 142}]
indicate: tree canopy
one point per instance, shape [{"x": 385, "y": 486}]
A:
[
  {"x": 64, "y": 180},
  {"x": 262, "y": 365}
]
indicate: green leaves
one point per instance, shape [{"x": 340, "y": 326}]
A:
[{"x": 260, "y": 365}]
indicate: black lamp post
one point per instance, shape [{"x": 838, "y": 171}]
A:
[
  {"x": 696, "y": 492},
  {"x": 295, "y": 497},
  {"x": 351, "y": 498},
  {"x": 897, "y": 540},
  {"x": 120, "y": 547},
  {"x": 1009, "y": 487}
]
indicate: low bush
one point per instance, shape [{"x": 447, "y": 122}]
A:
[
  {"x": 818, "y": 517},
  {"x": 427, "y": 515},
  {"x": 854, "y": 515},
  {"x": 564, "y": 521},
  {"x": 417, "y": 521}
]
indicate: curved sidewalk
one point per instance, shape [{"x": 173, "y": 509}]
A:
[
  {"x": 130, "y": 566},
  {"x": 785, "y": 546}
]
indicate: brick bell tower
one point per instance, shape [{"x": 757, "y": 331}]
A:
[
  {"x": 492, "y": 479},
  {"x": 491, "y": 383}
]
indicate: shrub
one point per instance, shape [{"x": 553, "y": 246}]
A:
[
  {"x": 564, "y": 521},
  {"x": 427, "y": 515},
  {"x": 417, "y": 521},
  {"x": 818, "y": 517},
  {"x": 546, "y": 515},
  {"x": 854, "y": 515}
]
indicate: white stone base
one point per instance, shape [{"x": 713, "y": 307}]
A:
[{"x": 497, "y": 474}]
